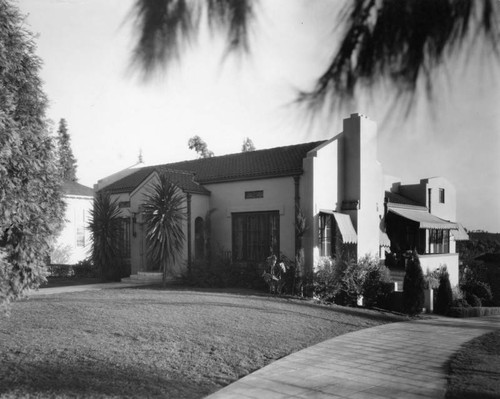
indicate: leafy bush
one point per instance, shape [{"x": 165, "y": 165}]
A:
[
  {"x": 326, "y": 284},
  {"x": 444, "y": 297},
  {"x": 473, "y": 300},
  {"x": 57, "y": 270},
  {"x": 377, "y": 286},
  {"x": 460, "y": 303},
  {"x": 85, "y": 269},
  {"x": 479, "y": 289},
  {"x": 473, "y": 312},
  {"x": 413, "y": 286}
]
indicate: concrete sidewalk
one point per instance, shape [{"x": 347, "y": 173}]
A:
[
  {"x": 398, "y": 360},
  {"x": 79, "y": 288}
]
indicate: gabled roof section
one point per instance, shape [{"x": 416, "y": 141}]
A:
[
  {"x": 184, "y": 180},
  {"x": 273, "y": 162},
  {"x": 77, "y": 189}
]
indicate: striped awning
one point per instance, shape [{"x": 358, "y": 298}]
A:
[
  {"x": 346, "y": 228},
  {"x": 460, "y": 234},
  {"x": 424, "y": 219}
]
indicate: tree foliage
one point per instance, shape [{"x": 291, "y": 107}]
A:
[
  {"x": 444, "y": 296},
  {"x": 413, "y": 286},
  {"x": 247, "y": 145},
  {"x": 67, "y": 160},
  {"x": 387, "y": 41},
  {"x": 105, "y": 236},
  {"x": 31, "y": 203},
  {"x": 196, "y": 143},
  {"x": 164, "y": 215}
]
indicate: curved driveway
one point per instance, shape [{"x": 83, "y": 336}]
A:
[{"x": 397, "y": 360}]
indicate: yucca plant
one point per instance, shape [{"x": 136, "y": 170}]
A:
[
  {"x": 105, "y": 238},
  {"x": 164, "y": 215}
]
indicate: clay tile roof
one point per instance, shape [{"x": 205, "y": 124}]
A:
[
  {"x": 273, "y": 162},
  {"x": 184, "y": 180},
  {"x": 74, "y": 188}
]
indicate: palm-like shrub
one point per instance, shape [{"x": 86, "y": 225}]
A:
[
  {"x": 413, "y": 286},
  {"x": 105, "y": 238},
  {"x": 164, "y": 215}
]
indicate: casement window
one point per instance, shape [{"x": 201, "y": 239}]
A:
[
  {"x": 326, "y": 229},
  {"x": 255, "y": 235},
  {"x": 439, "y": 241},
  {"x": 124, "y": 238}
]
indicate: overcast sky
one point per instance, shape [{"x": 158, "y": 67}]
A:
[{"x": 112, "y": 115}]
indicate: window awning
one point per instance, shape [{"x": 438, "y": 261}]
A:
[
  {"x": 424, "y": 219},
  {"x": 460, "y": 234},
  {"x": 346, "y": 228}
]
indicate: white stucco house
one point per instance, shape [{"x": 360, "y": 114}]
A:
[
  {"x": 73, "y": 243},
  {"x": 253, "y": 199}
]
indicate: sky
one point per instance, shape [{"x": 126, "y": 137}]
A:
[{"x": 113, "y": 114}]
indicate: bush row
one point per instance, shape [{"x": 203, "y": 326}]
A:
[
  {"x": 83, "y": 269},
  {"x": 473, "y": 311}
]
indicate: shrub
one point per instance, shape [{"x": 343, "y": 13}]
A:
[
  {"x": 473, "y": 300},
  {"x": 85, "y": 269},
  {"x": 478, "y": 289},
  {"x": 444, "y": 298},
  {"x": 377, "y": 286},
  {"x": 473, "y": 312},
  {"x": 460, "y": 303},
  {"x": 413, "y": 286},
  {"x": 325, "y": 282}
]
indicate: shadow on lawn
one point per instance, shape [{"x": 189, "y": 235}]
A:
[{"x": 53, "y": 378}]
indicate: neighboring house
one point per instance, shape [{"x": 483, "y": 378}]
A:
[
  {"x": 422, "y": 217},
  {"x": 251, "y": 201},
  {"x": 73, "y": 243}
]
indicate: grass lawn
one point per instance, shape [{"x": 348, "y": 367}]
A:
[
  {"x": 474, "y": 371},
  {"x": 172, "y": 343}
]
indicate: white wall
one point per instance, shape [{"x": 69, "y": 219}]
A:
[
  {"x": 363, "y": 181},
  {"x": 432, "y": 262},
  {"x": 76, "y": 216},
  {"x": 227, "y": 198}
]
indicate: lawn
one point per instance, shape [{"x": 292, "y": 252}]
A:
[
  {"x": 474, "y": 371},
  {"x": 170, "y": 343}
]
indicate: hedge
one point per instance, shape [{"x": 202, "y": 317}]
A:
[{"x": 474, "y": 312}]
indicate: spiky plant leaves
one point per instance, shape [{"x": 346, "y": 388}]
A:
[
  {"x": 164, "y": 216},
  {"x": 105, "y": 236}
]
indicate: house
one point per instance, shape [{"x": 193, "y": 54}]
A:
[
  {"x": 73, "y": 243},
  {"x": 251, "y": 201},
  {"x": 422, "y": 217}
]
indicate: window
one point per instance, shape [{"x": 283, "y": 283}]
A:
[
  {"x": 124, "y": 238},
  {"x": 441, "y": 195},
  {"x": 439, "y": 241},
  {"x": 255, "y": 235},
  {"x": 325, "y": 234},
  {"x": 124, "y": 204},
  {"x": 254, "y": 194}
]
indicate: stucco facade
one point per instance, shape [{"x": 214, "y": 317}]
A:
[
  {"x": 73, "y": 243},
  {"x": 251, "y": 201}
]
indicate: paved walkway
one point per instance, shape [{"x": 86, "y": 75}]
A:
[
  {"x": 398, "y": 360},
  {"x": 78, "y": 288}
]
